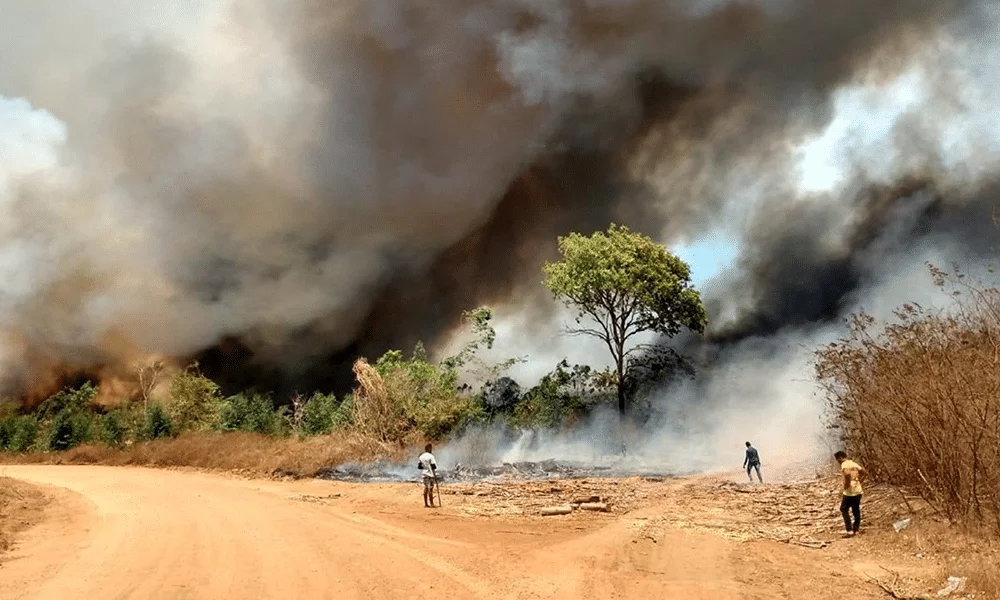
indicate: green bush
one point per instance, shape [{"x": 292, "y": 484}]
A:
[
  {"x": 68, "y": 429},
  {"x": 403, "y": 395},
  {"x": 562, "y": 397},
  {"x": 8, "y": 424},
  {"x": 195, "y": 401},
  {"x": 66, "y": 417},
  {"x": 318, "y": 414},
  {"x": 252, "y": 412},
  {"x": 112, "y": 429},
  {"x": 426, "y": 394},
  {"x": 67, "y": 400},
  {"x": 18, "y": 433},
  {"x": 282, "y": 422},
  {"x": 344, "y": 415},
  {"x": 158, "y": 423}
]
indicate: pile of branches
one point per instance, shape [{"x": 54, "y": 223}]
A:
[{"x": 804, "y": 513}]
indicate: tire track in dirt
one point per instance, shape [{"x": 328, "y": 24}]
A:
[
  {"x": 137, "y": 533},
  {"x": 122, "y": 533}
]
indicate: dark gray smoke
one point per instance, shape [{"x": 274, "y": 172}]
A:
[{"x": 275, "y": 186}]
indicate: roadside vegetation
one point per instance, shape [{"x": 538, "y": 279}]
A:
[
  {"x": 400, "y": 399},
  {"x": 917, "y": 400}
]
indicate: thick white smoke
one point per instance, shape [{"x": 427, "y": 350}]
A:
[
  {"x": 761, "y": 390},
  {"x": 257, "y": 169},
  {"x": 929, "y": 120}
]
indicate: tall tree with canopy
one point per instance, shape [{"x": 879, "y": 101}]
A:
[{"x": 621, "y": 284}]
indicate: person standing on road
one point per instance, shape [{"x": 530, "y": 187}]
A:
[
  {"x": 851, "y": 500},
  {"x": 428, "y": 471},
  {"x": 751, "y": 462}
]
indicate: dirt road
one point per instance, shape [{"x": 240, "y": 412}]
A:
[{"x": 145, "y": 533}]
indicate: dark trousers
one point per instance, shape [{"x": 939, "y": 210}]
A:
[
  {"x": 750, "y": 468},
  {"x": 851, "y": 504}
]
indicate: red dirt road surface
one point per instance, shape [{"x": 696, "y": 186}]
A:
[{"x": 118, "y": 533}]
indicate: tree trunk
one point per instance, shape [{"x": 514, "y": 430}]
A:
[
  {"x": 616, "y": 343},
  {"x": 621, "y": 390}
]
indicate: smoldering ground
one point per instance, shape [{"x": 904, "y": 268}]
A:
[
  {"x": 761, "y": 389},
  {"x": 308, "y": 181}
]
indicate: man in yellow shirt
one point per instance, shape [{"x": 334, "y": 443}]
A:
[{"x": 851, "y": 501}]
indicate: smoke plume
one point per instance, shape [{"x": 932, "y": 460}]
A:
[{"x": 276, "y": 186}]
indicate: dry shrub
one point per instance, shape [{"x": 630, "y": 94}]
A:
[
  {"x": 984, "y": 572},
  {"x": 398, "y": 401},
  {"x": 919, "y": 400},
  {"x": 376, "y": 416},
  {"x": 432, "y": 409}
]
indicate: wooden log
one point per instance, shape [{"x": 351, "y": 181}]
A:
[
  {"x": 550, "y": 511},
  {"x": 595, "y": 506},
  {"x": 585, "y": 499}
]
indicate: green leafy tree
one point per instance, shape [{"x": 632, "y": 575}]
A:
[
  {"x": 623, "y": 284},
  {"x": 344, "y": 415},
  {"x": 195, "y": 401},
  {"x": 252, "y": 412},
  {"x": 318, "y": 414},
  {"x": 24, "y": 432},
  {"x": 68, "y": 400},
  {"x": 112, "y": 429},
  {"x": 67, "y": 417},
  {"x": 158, "y": 424},
  {"x": 484, "y": 336},
  {"x": 18, "y": 432},
  {"x": 69, "y": 430},
  {"x": 561, "y": 397}
]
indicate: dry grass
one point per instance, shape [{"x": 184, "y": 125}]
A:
[
  {"x": 984, "y": 572},
  {"x": 246, "y": 453},
  {"x": 955, "y": 552},
  {"x": 21, "y": 507},
  {"x": 919, "y": 401},
  {"x": 376, "y": 416}
]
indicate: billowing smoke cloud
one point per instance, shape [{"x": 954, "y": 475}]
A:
[{"x": 290, "y": 182}]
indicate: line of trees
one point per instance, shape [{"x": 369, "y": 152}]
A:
[{"x": 619, "y": 283}]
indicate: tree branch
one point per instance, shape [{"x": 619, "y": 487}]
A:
[
  {"x": 585, "y": 331},
  {"x": 597, "y": 317}
]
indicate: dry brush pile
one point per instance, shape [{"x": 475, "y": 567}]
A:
[
  {"x": 919, "y": 400},
  {"x": 801, "y": 513}
]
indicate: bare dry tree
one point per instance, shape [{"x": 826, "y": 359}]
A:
[
  {"x": 298, "y": 411},
  {"x": 148, "y": 374}
]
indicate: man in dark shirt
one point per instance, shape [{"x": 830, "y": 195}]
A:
[{"x": 751, "y": 462}]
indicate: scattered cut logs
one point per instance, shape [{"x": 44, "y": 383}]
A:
[{"x": 550, "y": 511}]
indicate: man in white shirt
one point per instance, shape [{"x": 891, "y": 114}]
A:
[{"x": 428, "y": 472}]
